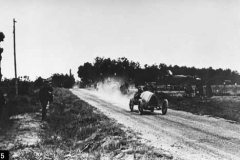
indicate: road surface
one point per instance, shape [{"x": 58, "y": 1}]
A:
[{"x": 184, "y": 135}]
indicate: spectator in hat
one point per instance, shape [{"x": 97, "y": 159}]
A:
[{"x": 45, "y": 97}]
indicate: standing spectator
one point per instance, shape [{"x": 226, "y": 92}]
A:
[{"x": 45, "y": 96}]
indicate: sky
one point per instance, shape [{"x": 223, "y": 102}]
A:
[{"x": 54, "y": 36}]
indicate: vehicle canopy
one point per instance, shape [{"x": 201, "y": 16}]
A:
[{"x": 149, "y": 98}]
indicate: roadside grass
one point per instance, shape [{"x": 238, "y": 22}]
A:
[
  {"x": 223, "y": 107},
  {"x": 76, "y": 130}
]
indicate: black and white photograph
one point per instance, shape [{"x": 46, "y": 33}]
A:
[{"x": 120, "y": 79}]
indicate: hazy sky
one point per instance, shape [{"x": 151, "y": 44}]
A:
[{"x": 53, "y": 36}]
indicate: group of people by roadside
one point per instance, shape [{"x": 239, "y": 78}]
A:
[{"x": 45, "y": 98}]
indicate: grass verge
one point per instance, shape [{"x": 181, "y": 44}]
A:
[
  {"x": 76, "y": 130},
  {"x": 223, "y": 107}
]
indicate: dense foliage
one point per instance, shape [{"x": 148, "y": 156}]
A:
[
  {"x": 25, "y": 86},
  {"x": 60, "y": 80},
  {"x": 131, "y": 71}
]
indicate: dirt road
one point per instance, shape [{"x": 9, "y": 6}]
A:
[{"x": 183, "y": 134}]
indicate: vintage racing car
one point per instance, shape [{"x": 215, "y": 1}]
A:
[{"x": 148, "y": 101}]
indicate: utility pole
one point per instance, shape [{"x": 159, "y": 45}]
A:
[
  {"x": 15, "y": 64},
  {"x": 2, "y": 36}
]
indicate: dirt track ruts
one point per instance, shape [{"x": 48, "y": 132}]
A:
[{"x": 184, "y": 135}]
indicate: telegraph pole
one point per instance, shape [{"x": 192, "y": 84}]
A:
[
  {"x": 15, "y": 63},
  {"x": 2, "y": 36}
]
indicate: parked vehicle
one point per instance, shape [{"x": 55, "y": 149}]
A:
[{"x": 148, "y": 101}]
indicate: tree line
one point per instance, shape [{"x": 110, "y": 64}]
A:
[
  {"x": 25, "y": 86},
  {"x": 132, "y": 72}
]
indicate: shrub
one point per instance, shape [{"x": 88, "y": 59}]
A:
[{"x": 19, "y": 104}]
